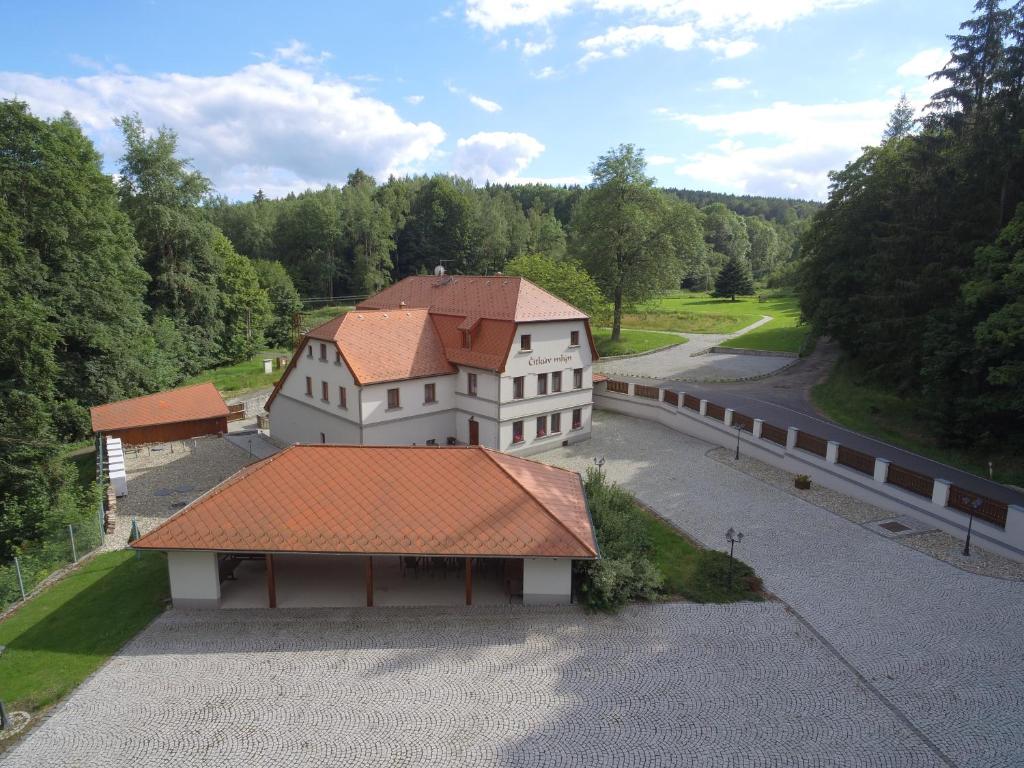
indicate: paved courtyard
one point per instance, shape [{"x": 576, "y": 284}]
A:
[
  {"x": 944, "y": 647},
  {"x": 672, "y": 685}
]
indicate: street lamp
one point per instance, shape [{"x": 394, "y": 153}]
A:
[
  {"x": 734, "y": 537},
  {"x": 739, "y": 428},
  {"x": 975, "y": 506}
]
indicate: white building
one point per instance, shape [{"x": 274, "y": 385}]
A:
[{"x": 491, "y": 361}]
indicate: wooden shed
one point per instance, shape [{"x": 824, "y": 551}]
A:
[{"x": 176, "y": 414}]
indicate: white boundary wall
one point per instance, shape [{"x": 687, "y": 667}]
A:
[
  {"x": 547, "y": 581},
  {"x": 1008, "y": 541},
  {"x": 195, "y": 580}
]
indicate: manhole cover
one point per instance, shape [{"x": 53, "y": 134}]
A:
[
  {"x": 894, "y": 527},
  {"x": 185, "y": 488}
]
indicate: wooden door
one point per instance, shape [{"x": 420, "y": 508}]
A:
[{"x": 474, "y": 432}]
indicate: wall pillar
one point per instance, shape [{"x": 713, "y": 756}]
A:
[
  {"x": 832, "y": 452},
  {"x": 194, "y": 578},
  {"x": 630, "y": 388},
  {"x": 682, "y": 396},
  {"x": 271, "y": 582},
  {"x": 758, "y": 427},
  {"x": 703, "y": 407},
  {"x": 791, "y": 438},
  {"x": 940, "y": 492},
  {"x": 547, "y": 581},
  {"x": 728, "y": 417},
  {"x": 881, "y": 470}
]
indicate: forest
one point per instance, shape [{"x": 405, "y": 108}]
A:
[{"x": 916, "y": 263}]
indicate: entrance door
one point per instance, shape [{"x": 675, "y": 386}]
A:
[{"x": 474, "y": 432}]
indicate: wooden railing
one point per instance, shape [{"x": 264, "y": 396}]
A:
[
  {"x": 691, "y": 402},
  {"x": 773, "y": 434},
  {"x": 911, "y": 481},
  {"x": 981, "y": 506},
  {"x": 716, "y": 411},
  {"x": 862, "y": 462},
  {"x": 670, "y": 397},
  {"x": 811, "y": 443},
  {"x": 743, "y": 421},
  {"x": 622, "y": 387},
  {"x": 651, "y": 393}
]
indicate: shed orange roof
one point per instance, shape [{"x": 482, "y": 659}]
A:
[
  {"x": 415, "y": 500},
  {"x": 386, "y": 346},
  {"x": 199, "y": 401},
  {"x": 495, "y": 297}
]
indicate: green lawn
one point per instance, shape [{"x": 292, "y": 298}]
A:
[
  {"x": 632, "y": 342},
  {"x": 688, "y": 312},
  {"x": 694, "y": 573},
  {"x": 242, "y": 377},
  {"x": 61, "y": 636},
  {"x": 311, "y": 318},
  {"x": 852, "y": 399}
]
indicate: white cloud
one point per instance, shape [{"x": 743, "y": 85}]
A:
[
  {"x": 267, "y": 121},
  {"x": 660, "y": 160},
  {"x": 545, "y": 72},
  {"x": 620, "y": 41},
  {"x": 729, "y": 83},
  {"x": 414, "y": 99},
  {"x": 493, "y": 15},
  {"x": 924, "y": 63},
  {"x": 495, "y": 156},
  {"x": 298, "y": 53},
  {"x": 782, "y": 149},
  {"x": 728, "y": 49},
  {"x": 535, "y": 49},
  {"x": 485, "y": 104}
]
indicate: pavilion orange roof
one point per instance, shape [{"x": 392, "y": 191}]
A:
[
  {"x": 415, "y": 500},
  {"x": 199, "y": 401}
]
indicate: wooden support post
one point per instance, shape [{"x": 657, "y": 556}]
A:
[
  {"x": 369, "y": 581},
  {"x": 271, "y": 582},
  {"x": 469, "y": 581}
]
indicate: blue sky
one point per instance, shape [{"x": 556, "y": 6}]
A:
[{"x": 754, "y": 96}]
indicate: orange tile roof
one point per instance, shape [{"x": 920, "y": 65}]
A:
[
  {"x": 386, "y": 346},
  {"x": 199, "y": 401},
  {"x": 416, "y": 500},
  {"x": 491, "y": 341},
  {"x": 496, "y": 298}
]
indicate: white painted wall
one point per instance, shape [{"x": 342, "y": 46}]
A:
[
  {"x": 195, "y": 580},
  {"x": 414, "y": 429},
  {"x": 411, "y": 391},
  {"x": 547, "y": 580},
  {"x": 301, "y": 421}
]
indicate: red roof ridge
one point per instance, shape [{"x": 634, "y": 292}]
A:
[{"x": 489, "y": 453}]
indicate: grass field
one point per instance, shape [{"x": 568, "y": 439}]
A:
[
  {"x": 850, "y": 398},
  {"x": 686, "y": 312},
  {"x": 632, "y": 342},
  {"x": 242, "y": 377},
  {"x": 61, "y": 636},
  {"x": 690, "y": 571},
  {"x": 313, "y": 317}
]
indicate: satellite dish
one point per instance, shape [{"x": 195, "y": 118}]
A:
[{"x": 439, "y": 270}]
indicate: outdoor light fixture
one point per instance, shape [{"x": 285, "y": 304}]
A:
[
  {"x": 739, "y": 428},
  {"x": 599, "y": 463},
  {"x": 734, "y": 537},
  {"x": 975, "y": 506}
]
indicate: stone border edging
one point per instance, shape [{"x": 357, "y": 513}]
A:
[
  {"x": 754, "y": 352},
  {"x": 648, "y": 352},
  {"x": 755, "y": 377}
]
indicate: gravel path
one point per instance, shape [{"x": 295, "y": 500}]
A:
[{"x": 944, "y": 647}]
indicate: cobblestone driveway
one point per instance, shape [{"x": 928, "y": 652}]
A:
[
  {"x": 672, "y": 685},
  {"x": 943, "y": 646}
]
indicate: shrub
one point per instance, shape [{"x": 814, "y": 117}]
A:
[
  {"x": 711, "y": 576},
  {"x": 609, "y": 583},
  {"x": 803, "y": 482}
]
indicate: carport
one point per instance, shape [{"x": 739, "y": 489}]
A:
[{"x": 342, "y": 526}]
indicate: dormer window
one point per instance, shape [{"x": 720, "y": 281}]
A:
[{"x": 467, "y": 340}]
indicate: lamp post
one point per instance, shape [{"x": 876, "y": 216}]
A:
[
  {"x": 599, "y": 463},
  {"x": 739, "y": 428},
  {"x": 975, "y": 506},
  {"x": 734, "y": 537}
]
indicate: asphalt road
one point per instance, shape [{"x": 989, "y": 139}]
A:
[{"x": 784, "y": 401}]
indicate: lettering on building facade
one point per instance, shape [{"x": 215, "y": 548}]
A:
[{"x": 548, "y": 360}]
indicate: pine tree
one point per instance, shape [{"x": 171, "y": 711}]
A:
[
  {"x": 734, "y": 279},
  {"x": 901, "y": 121}
]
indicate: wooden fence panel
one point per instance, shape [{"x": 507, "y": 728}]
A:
[
  {"x": 773, "y": 434},
  {"x": 862, "y": 462},
  {"x": 670, "y": 397},
  {"x": 982, "y": 506},
  {"x": 811, "y": 443},
  {"x": 911, "y": 481},
  {"x": 651, "y": 393},
  {"x": 743, "y": 421},
  {"x": 691, "y": 402},
  {"x": 716, "y": 411},
  {"x": 622, "y": 387}
]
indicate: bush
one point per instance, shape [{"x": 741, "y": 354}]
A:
[
  {"x": 711, "y": 576},
  {"x": 624, "y": 571}
]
